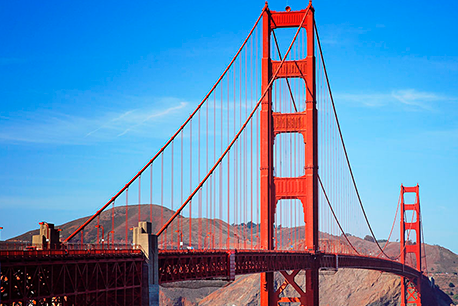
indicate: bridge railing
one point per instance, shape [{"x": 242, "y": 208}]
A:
[
  {"x": 26, "y": 246},
  {"x": 14, "y": 245}
]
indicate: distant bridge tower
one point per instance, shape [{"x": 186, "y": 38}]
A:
[
  {"x": 303, "y": 188},
  {"x": 411, "y": 289}
]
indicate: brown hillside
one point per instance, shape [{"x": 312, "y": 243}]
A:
[{"x": 347, "y": 287}]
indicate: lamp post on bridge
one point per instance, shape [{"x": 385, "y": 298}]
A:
[
  {"x": 208, "y": 241},
  {"x": 245, "y": 238},
  {"x": 108, "y": 238},
  {"x": 211, "y": 239},
  {"x": 131, "y": 229},
  {"x": 179, "y": 239},
  {"x": 205, "y": 241},
  {"x": 290, "y": 244},
  {"x": 103, "y": 232},
  {"x": 238, "y": 240},
  {"x": 1, "y": 228}
]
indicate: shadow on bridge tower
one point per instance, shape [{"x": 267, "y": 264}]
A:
[
  {"x": 410, "y": 245},
  {"x": 273, "y": 123}
]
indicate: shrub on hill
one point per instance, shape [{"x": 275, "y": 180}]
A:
[{"x": 369, "y": 238}]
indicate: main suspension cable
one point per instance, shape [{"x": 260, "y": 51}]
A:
[
  {"x": 335, "y": 217},
  {"x": 174, "y": 135},
  {"x": 242, "y": 128},
  {"x": 392, "y": 226}
]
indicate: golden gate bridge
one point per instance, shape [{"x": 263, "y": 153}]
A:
[{"x": 256, "y": 180}]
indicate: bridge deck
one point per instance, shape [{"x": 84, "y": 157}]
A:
[
  {"x": 78, "y": 277},
  {"x": 182, "y": 265},
  {"x": 86, "y": 275}
]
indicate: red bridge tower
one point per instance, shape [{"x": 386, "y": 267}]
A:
[
  {"x": 411, "y": 289},
  {"x": 303, "y": 188}
]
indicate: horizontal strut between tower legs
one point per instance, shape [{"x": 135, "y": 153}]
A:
[
  {"x": 290, "y": 123},
  {"x": 410, "y": 207},
  {"x": 410, "y": 189},
  {"x": 291, "y": 69},
  {"x": 291, "y": 19},
  {"x": 290, "y": 187}
]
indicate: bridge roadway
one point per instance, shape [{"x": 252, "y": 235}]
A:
[
  {"x": 179, "y": 265},
  {"x": 101, "y": 275}
]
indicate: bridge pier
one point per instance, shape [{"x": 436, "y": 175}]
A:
[
  {"x": 143, "y": 238},
  {"x": 48, "y": 237}
]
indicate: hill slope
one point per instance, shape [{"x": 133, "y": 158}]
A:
[{"x": 347, "y": 287}]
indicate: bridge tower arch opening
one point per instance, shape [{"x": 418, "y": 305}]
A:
[{"x": 289, "y": 225}]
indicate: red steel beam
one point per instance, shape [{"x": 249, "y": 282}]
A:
[
  {"x": 180, "y": 265},
  {"x": 73, "y": 278}
]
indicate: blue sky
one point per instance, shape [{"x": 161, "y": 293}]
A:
[{"x": 89, "y": 92}]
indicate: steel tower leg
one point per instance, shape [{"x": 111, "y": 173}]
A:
[
  {"x": 411, "y": 288},
  {"x": 266, "y": 160},
  {"x": 304, "y": 188}
]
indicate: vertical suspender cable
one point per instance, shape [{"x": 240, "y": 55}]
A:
[
  {"x": 151, "y": 195},
  {"x": 127, "y": 212},
  {"x": 190, "y": 182},
  {"x": 172, "y": 170},
  {"x": 238, "y": 133},
  {"x": 139, "y": 197},
  {"x": 343, "y": 145}
]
